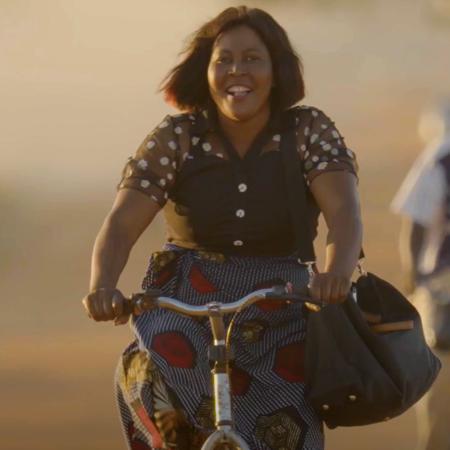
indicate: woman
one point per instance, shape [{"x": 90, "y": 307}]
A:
[{"x": 217, "y": 171}]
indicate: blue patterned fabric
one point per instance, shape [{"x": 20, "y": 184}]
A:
[{"x": 267, "y": 376}]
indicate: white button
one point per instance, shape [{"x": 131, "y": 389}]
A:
[
  {"x": 240, "y": 213},
  {"x": 242, "y": 187},
  {"x": 238, "y": 243}
]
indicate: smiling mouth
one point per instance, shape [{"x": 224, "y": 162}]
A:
[{"x": 238, "y": 91}]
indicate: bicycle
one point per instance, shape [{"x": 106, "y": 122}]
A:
[{"x": 219, "y": 350}]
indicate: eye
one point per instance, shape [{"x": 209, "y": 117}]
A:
[
  {"x": 223, "y": 60},
  {"x": 251, "y": 58}
]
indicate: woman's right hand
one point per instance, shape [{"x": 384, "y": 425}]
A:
[{"x": 106, "y": 304}]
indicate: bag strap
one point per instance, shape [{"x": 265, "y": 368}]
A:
[{"x": 296, "y": 191}]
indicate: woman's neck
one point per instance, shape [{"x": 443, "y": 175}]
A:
[{"x": 242, "y": 133}]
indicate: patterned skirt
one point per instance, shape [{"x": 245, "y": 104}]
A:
[{"x": 169, "y": 359}]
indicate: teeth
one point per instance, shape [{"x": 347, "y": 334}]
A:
[{"x": 238, "y": 90}]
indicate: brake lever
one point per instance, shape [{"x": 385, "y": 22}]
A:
[
  {"x": 144, "y": 301},
  {"x": 289, "y": 292}
]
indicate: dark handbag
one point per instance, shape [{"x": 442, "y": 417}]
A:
[{"x": 366, "y": 359}]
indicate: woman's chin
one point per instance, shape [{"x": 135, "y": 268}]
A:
[
  {"x": 243, "y": 111},
  {"x": 241, "y": 114}
]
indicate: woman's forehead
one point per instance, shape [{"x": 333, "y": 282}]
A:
[{"x": 241, "y": 37}]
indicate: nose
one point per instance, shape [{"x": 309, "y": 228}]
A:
[{"x": 237, "y": 68}]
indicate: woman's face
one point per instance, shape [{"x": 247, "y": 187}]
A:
[{"x": 240, "y": 75}]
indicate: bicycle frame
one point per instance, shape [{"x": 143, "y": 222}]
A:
[{"x": 219, "y": 355}]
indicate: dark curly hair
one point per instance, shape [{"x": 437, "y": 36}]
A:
[{"x": 186, "y": 85}]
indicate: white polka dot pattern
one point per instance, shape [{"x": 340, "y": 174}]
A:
[
  {"x": 142, "y": 164},
  {"x": 162, "y": 155},
  {"x": 318, "y": 141},
  {"x": 153, "y": 167}
]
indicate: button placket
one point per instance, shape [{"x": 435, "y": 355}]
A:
[{"x": 241, "y": 201}]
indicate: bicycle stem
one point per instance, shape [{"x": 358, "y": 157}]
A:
[{"x": 221, "y": 377}]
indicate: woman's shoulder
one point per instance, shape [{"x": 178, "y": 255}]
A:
[
  {"x": 173, "y": 129},
  {"x": 182, "y": 123},
  {"x": 313, "y": 113},
  {"x": 312, "y": 121},
  {"x": 171, "y": 121},
  {"x": 321, "y": 146}
]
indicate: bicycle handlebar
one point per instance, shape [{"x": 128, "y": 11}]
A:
[{"x": 152, "y": 299}]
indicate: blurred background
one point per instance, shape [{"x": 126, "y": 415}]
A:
[{"x": 78, "y": 94}]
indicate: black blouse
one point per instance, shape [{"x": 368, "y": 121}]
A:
[{"x": 215, "y": 200}]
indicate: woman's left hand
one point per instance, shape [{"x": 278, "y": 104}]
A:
[{"x": 329, "y": 287}]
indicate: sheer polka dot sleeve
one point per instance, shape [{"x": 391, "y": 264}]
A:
[
  {"x": 152, "y": 170},
  {"x": 321, "y": 146}
]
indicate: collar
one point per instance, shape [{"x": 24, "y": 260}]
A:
[{"x": 206, "y": 120}]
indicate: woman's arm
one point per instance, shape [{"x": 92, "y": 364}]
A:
[
  {"x": 337, "y": 197},
  {"x": 130, "y": 215}
]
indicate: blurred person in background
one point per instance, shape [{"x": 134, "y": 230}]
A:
[
  {"x": 217, "y": 171},
  {"x": 424, "y": 202}
]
